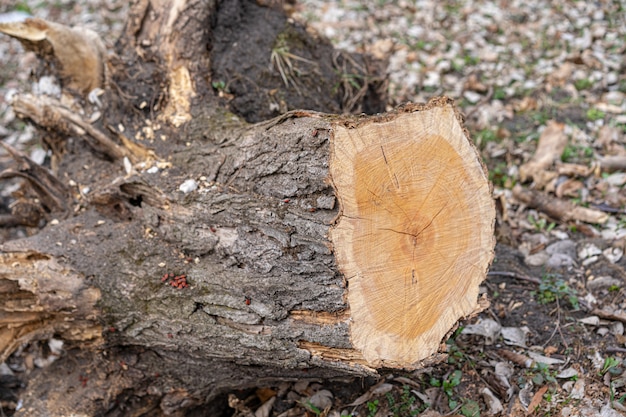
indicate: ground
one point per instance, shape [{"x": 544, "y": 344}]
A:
[{"x": 536, "y": 79}]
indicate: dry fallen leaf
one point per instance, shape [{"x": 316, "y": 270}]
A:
[
  {"x": 551, "y": 144},
  {"x": 79, "y": 52},
  {"x": 534, "y": 403},
  {"x": 569, "y": 188}
]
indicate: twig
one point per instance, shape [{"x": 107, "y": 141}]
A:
[
  {"x": 557, "y": 208},
  {"x": 51, "y": 114},
  {"x": 558, "y": 326}
]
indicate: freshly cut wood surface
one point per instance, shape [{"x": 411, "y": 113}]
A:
[{"x": 415, "y": 234}]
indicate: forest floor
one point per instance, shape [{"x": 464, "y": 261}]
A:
[{"x": 543, "y": 87}]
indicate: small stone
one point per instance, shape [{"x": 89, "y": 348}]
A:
[
  {"x": 38, "y": 156},
  {"x": 589, "y": 250},
  {"x": 566, "y": 247},
  {"x": 432, "y": 79},
  {"x": 614, "y": 97},
  {"x": 602, "y": 331},
  {"x": 617, "y": 328},
  {"x": 301, "y": 386},
  {"x": 590, "y": 260},
  {"x": 56, "y": 346},
  {"x": 472, "y": 97},
  {"x": 613, "y": 254},
  {"x": 612, "y": 78},
  {"x": 188, "y": 186},
  {"x": 567, "y": 373},
  {"x": 537, "y": 259},
  {"x": 561, "y": 235},
  {"x": 617, "y": 180},
  {"x": 322, "y": 399},
  {"x": 560, "y": 260},
  {"x": 603, "y": 283},
  {"x": 608, "y": 234}
]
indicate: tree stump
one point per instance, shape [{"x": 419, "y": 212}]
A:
[{"x": 187, "y": 252}]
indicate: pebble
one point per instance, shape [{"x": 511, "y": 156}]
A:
[
  {"x": 602, "y": 331},
  {"x": 5, "y": 370},
  {"x": 188, "y": 186},
  {"x": 613, "y": 254},
  {"x": 590, "y": 260},
  {"x": 560, "y": 260},
  {"x": 565, "y": 247},
  {"x": 38, "y": 156},
  {"x": 617, "y": 328},
  {"x": 472, "y": 96},
  {"x": 588, "y": 250},
  {"x": 617, "y": 180},
  {"x": 537, "y": 259},
  {"x": 604, "y": 282}
]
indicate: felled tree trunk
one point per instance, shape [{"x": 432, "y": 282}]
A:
[{"x": 196, "y": 253}]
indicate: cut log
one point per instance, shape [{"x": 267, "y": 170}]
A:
[
  {"x": 306, "y": 246},
  {"x": 415, "y": 233},
  {"x": 284, "y": 271}
]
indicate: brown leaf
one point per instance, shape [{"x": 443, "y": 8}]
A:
[
  {"x": 549, "y": 350},
  {"x": 526, "y": 104},
  {"x": 79, "y": 51},
  {"x": 574, "y": 170},
  {"x": 534, "y": 403},
  {"x": 561, "y": 75},
  {"x": 568, "y": 188},
  {"x": 552, "y": 142},
  {"x": 265, "y": 394},
  {"x": 473, "y": 83}
]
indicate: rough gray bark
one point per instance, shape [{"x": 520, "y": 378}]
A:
[{"x": 257, "y": 232}]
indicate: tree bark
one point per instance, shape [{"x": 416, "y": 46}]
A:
[{"x": 197, "y": 253}]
